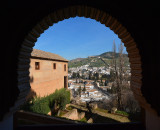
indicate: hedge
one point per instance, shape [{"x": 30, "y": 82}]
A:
[{"x": 44, "y": 104}]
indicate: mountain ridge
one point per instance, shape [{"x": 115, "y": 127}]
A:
[
  {"x": 103, "y": 55},
  {"x": 96, "y": 61}
]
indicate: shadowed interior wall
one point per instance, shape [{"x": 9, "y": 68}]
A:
[{"x": 141, "y": 19}]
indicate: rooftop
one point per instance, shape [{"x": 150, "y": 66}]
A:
[
  {"x": 89, "y": 85},
  {"x": 93, "y": 90},
  {"x": 46, "y": 55}
]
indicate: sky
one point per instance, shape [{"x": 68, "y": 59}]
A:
[{"x": 77, "y": 37}]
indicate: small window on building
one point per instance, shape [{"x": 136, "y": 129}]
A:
[
  {"x": 64, "y": 67},
  {"x": 54, "y": 65},
  {"x": 37, "y": 65}
]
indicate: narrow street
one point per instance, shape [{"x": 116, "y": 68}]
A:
[{"x": 102, "y": 91}]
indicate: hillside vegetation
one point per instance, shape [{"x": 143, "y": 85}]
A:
[{"x": 94, "y": 61}]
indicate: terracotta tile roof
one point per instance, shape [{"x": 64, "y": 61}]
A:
[
  {"x": 77, "y": 84},
  {"x": 89, "y": 85},
  {"x": 93, "y": 90},
  {"x": 47, "y": 55}
]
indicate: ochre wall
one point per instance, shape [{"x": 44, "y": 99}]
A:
[{"x": 46, "y": 80}]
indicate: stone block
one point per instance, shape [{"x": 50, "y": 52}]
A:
[
  {"x": 113, "y": 110},
  {"x": 67, "y": 105},
  {"x": 73, "y": 115},
  {"x": 81, "y": 115},
  {"x": 50, "y": 113},
  {"x": 94, "y": 106},
  {"x": 90, "y": 120}
]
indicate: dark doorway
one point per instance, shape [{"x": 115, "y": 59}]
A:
[{"x": 65, "y": 82}]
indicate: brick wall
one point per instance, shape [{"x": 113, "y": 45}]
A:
[{"x": 47, "y": 79}]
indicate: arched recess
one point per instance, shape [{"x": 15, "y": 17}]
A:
[{"x": 88, "y": 12}]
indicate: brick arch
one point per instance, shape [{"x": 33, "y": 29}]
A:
[{"x": 88, "y": 12}]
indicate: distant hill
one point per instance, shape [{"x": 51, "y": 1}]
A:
[
  {"x": 77, "y": 59},
  {"x": 108, "y": 55},
  {"x": 94, "y": 61}
]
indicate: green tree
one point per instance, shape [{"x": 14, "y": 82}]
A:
[
  {"x": 90, "y": 75},
  {"x": 96, "y": 76},
  {"x": 83, "y": 77},
  {"x": 61, "y": 97},
  {"x": 101, "y": 83},
  {"x": 84, "y": 88},
  {"x": 79, "y": 91},
  {"x": 74, "y": 75},
  {"x": 104, "y": 76},
  {"x": 78, "y": 76},
  {"x": 43, "y": 105},
  {"x": 76, "y": 80}
]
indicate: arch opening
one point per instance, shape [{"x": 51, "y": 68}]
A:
[{"x": 92, "y": 13}]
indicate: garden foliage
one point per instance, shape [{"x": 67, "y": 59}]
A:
[{"x": 44, "y": 104}]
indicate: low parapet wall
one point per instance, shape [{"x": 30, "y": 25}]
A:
[{"x": 38, "y": 119}]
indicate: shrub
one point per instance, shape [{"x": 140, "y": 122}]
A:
[
  {"x": 40, "y": 105},
  {"x": 122, "y": 113},
  {"x": 61, "y": 97},
  {"x": 44, "y": 104},
  {"x": 84, "y": 120}
]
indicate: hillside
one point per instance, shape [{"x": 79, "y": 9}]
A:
[
  {"x": 108, "y": 55},
  {"x": 77, "y": 59},
  {"x": 95, "y": 61}
]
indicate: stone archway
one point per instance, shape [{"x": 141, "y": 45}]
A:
[{"x": 88, "y": 12}]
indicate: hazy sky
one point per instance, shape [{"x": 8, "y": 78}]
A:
[{"x": 77, "y": 37}]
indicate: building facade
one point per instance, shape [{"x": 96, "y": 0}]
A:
[{"x": 48, "y": 72}]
